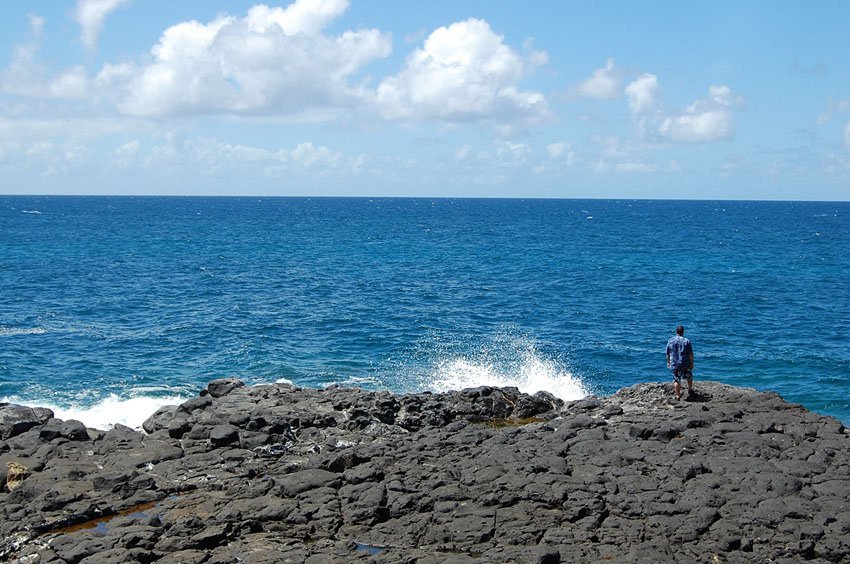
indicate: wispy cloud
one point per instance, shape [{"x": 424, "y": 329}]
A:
[
  {"x": 833, "y": 108},
  {"x": 90, "y": 14}
]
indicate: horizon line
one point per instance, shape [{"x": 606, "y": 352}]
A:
[{"x": 407, "y": 197}]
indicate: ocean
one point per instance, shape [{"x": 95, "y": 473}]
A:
[{"x": 113, "y": 306}]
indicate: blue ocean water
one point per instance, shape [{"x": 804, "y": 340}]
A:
[{"x": 110, "y": 306}]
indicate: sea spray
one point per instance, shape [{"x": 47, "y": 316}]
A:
[
  {"x": 513, "y": 362},
  {"x": 111, "y": 411}
]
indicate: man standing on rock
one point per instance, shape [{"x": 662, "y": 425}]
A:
[{"x": 680, "y": 359}]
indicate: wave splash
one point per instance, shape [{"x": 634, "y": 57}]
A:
[
  {"x": 112, "y": 410},
  {"x": 505, "y": 360},
  {"x": 516, "y": 363}
]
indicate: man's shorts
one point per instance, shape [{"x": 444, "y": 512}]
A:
[{"x": 681, "y": 372}]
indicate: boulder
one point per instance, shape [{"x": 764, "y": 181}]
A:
[
  {"x": 17, "y": 419},
  {"x": 223, "y": 435},
  {"x": 222, "y": 387}
]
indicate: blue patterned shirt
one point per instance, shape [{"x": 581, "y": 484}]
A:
[{"x": 680, "y": 351}]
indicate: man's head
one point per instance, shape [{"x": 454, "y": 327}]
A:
[{"x": 680, "y": 330}]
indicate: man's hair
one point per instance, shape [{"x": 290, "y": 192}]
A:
[{"x": 680, "y": 330}]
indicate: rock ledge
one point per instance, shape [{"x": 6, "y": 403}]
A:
[{"x": 278, "y": 473}]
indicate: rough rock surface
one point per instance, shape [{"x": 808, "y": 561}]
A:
[{"x": 276, "y": 473}]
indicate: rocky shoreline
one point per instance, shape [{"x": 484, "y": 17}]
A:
[{"x": 277, "y": 473}]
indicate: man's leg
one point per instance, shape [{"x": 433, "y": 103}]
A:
[
  {"x": 677, "y": 384},
  {"x": 690, "y": 382}
]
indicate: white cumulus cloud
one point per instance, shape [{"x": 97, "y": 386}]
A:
[
  {"x": 272, "y": 61},
  {"x": 308, "y": 155},
  {"x": 710, "y": 125},
  {"x": 307, "y": 17},
  {"x": 707, "y": 120},
  {"x": 90, "y": 15},
  {"x": 606, "y": 83},
  {"x": 308, "y": 160},
  {"x": 643, "y": 94},
  {"x": 463, "y": 72}
]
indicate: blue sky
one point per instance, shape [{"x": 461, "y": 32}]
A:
[{"x": 605, "y": 99}]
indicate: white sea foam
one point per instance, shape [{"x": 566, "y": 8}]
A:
[
  {"x": 368, "y": 382},
  {"x": 12, "y": 331},
  {"x": 112, "y": 410},
  {"x": 523, "y": 367}
]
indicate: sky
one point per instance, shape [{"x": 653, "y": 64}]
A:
[{"x": 437, "y": 98}]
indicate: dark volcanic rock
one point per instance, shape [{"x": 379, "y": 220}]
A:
[
  {"x": 17, "y": 419},
  {"x": 219, "y": 388},
  {"x": 223, "y": 435},
  {"x": 277, "y": 473}
]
